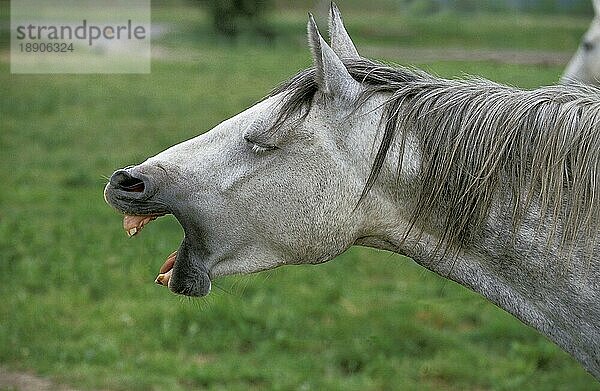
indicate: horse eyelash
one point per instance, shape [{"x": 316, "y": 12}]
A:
[{"x": 259, "y": 148}]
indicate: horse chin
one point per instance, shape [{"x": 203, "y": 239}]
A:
[{"x": 188, "y": 274}]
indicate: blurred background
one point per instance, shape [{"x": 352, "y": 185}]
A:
[{"x": 78, "y": 305}]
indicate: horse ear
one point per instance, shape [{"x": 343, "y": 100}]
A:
[
  {"x": 331, "y": 75},
  {"x": 596, "y": 4},
  {"x": 341, "y": 43}
]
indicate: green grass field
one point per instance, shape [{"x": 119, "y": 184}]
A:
[{"x": 78, "y": 303}]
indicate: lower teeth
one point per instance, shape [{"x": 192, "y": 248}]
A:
[{"x": 163, "y": 278}]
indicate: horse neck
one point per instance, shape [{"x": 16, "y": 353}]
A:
[{"x": 556, "y": 291}]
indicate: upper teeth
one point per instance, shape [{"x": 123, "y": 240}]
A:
[{"x": 133, "y": 224}]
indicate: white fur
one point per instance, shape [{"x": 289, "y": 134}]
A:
[{"x": 584, "y": 67}]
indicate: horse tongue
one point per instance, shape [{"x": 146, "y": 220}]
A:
[
  {"x": 168, "y": 265},
  {"x": 166, "y": 269}
]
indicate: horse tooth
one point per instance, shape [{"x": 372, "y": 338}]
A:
[
  {"x": 163, "y": 278},
  {"x": 160, "y": 279},
  {"x": 132, "y": 231}
]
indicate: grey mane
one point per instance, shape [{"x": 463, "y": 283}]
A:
[{"x": 478, "y": 139}]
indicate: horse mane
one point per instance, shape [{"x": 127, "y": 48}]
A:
[{"x": 478, "y": 139}]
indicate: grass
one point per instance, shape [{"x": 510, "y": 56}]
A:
[
  {"x": 78, "y": 302},
  {"x": 447, "y": 29}
]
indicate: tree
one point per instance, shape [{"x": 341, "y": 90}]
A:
[{"x": 231, "y": 17}]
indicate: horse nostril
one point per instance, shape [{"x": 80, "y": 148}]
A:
[
  {"x": 121, "y": 179},
  {"x": 587, "y": 46}
]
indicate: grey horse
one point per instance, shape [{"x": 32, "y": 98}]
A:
[
  {"x": 493, "y": 187},
  {"x": 584, "y": 67}
]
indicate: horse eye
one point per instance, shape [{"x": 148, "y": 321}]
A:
[
  {"x": 259, "y": 148},
  {"x": 587, "y": 46}
]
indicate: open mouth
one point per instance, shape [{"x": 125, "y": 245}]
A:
[
  {"x": 133, "y": 225},
  {"x": 184, "y": 271},
  {"x": 133, "y": 191}
]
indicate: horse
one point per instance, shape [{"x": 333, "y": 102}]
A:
[
  {"x": 584, "y": 67},
  {"x": 491, "y": 186}
]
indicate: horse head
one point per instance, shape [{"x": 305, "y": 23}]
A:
[
  {"x": 258, "y": 191},
  {"x": 584, "y": 67}
]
